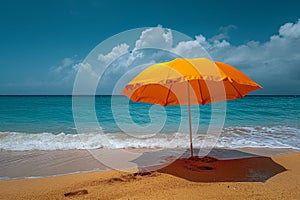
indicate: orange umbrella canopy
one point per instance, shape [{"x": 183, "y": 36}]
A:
[{"x": 189, "y": 81}]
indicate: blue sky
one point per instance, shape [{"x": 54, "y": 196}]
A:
[{"x": 39, "y": 36}]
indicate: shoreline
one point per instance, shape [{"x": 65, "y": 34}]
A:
[
  {"x": 34, "y": 164},
  {"x": 275, "y": 177}
]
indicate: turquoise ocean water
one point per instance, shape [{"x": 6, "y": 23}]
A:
[{"x": 47, "y": 123}]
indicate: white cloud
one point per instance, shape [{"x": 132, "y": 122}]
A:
[
  {"x": 274, "y": 64},
  {"x": 65, "y": 72},
  {"x": 157, "y": 37},
  {"x": 86, "y": 68},
  {"x": 65, "y": 63},
  {"x": 116, "y": 52},
  {"x": 268, "y": 62},
  {"x": 290, "y": 30},
  {"x": 189, "y": 49},
  {"x": 282, "y": 47}
]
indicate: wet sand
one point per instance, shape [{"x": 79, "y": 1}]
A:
[
  {"x": 37, "y": 163},
  {"x": 246, "y": 174}
]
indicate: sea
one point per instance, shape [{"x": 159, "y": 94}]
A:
[{"x": 114, "y": 122}]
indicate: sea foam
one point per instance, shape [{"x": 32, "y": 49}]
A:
[{"x": 231, "y": 137}]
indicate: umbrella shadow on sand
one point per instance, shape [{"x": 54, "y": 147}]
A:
[{"x": 220, "y": 165}]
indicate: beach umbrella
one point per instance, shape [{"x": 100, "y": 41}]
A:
[{"x": 188, "y": 82}]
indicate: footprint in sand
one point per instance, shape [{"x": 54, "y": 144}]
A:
[{"x": 78, "y": 192}]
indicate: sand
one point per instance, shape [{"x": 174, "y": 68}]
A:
[{"x": 253, "y": 177}]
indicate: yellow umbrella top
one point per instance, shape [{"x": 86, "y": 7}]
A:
[{"x": 166, "y": 83}]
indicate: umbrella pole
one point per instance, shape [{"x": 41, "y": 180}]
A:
[{"x": 190, "y": 120}]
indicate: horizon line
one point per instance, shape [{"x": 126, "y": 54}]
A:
[{"x": 2, "y": 95}]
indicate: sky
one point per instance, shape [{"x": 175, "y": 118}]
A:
[{"x": 43, "y": 43}]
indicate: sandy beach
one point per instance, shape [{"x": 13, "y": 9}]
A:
[
  {"x": 149, "y": 100},
  {"x": 251, "y": 177}
]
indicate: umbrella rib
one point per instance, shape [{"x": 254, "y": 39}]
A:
[
  {"x": 235, "y": 89},
  {"x": 144, "y": 87},
  {"x": 200, "y": 92},
  {"x": 166, "y": 102}
]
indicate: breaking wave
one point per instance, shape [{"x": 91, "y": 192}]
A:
[{"x": 231, "y": 137}]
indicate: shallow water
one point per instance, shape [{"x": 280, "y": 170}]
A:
[{"x": 47, "y": 123}]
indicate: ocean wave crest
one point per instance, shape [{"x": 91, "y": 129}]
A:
[{"x": 231, "y": 137}]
